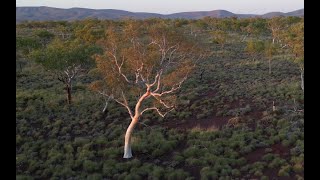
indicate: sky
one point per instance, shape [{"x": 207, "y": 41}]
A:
[{"x": 173, "y": 6}]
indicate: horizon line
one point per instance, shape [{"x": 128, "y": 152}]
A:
[{"x": 159, "y": 13}]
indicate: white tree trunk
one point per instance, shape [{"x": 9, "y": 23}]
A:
[
  {"x": 134, "y": 121},
  {"x": 106, "y": 105},
  {"x": 273, "y": 106},
  {"x": 269, "y": 66},
  {"x": 244, "y": 37},
  {"x": 302, "y": 80},
  {"x": 127, "y": 138}
]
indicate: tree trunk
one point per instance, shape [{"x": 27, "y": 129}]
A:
[
  {"x": 273, "y": 106},
  {"x": 127, "y": 138},
  {"x": 106, "y": 105},
  {"x": 273, "y": 40},
  {"x": 269, "y": 66},
  {"x": 302, "y": 80},
  {"x": 244, "y": 37},
  {"x": 69, "y": 94},
  {"x": 20, "y": 67},
  {"x": 134, "y": 121}
]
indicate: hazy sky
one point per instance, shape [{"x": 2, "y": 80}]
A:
[{"x": 172, "y": 6}]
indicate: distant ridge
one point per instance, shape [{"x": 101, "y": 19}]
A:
[{"x": 44, "y": 13}]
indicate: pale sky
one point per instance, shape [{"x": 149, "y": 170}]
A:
[{"x": 173, "y": 6}]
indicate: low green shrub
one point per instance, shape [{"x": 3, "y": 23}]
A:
[{"x": 284, "y": 171}]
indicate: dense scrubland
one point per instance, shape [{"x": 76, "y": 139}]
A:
[{"x": 238, "y": 115}]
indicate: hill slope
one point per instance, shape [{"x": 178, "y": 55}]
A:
[{"x": 43, "y": 13}]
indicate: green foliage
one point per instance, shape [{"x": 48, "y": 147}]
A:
[
  {"x": 219, "y": 37},
  {"x": 254, "y": 48},
  {"x": 207, "y": 173},
  {"x": 235, "y": 172},
  {"x": 26, "y": 44},
  {"x": 58, "y": 141},
  {"x": 178, "y": 174},
  {"x": 23, "y": 177},
  {"x": 59, "y": 55},
  {"x": 90, "y": 166},
  {"x": 298, "y": 168},
  {"x": 94, "y": 176},
  {"x": 284, "y": 171}
]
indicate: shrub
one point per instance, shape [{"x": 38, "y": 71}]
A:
[
  {"x": 122, "y": 176},
  {"x": 298, "y": 177},
  {"x": 235, "y": 172},
  {"x": 132, "y": 176},
  {"x": 275, "y": 139},
  {"x": 268, "y": 150},
  {"x": 157, "y": 172},
  {"x": 276, "y": 162},
  {"x": 191, "y": 152},
  {"x": 109, "y": 168},
  {"x": 298, "y": 168},
  {"x": 201, "y": 116},
  {"x": 246, "y": 149},
  {"x": 258, "y": 173},
  {"x": 190, "y": 178},
  {"x": 94, "y": 176},
  {"x": 241, "y": 161},
  {"x": 177, "y": 175},
  {"x": 284, "y": 171},
  {"x": 194, "y": 162},
  {"x": 157, "y": 152},
  {"x": 178, "y": 158},
  {"x": 285, "y": 143},
  {"x": 23, "y": 177},
  {"x": 268, "y": 157},
  {"x": 90, "y": 166},
  {"x": 207, "y": 173}
]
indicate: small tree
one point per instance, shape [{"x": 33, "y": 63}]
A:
[
  {"x": 220, "y": 37},
  {"x": 252, "y": 27},
  {"x": 270, "y": 51},
  {"x": 24, "y": 45},
  {"x": 27, "y": 44},
  {"x": 276, "y": 25},
  {"x": 295, "y": 40},
  {"x": 254, "y": 48},
  {"x": 44, "y": 36},
  {"x": 67, "y": 60},
  {"x": 143, "y": 67}
]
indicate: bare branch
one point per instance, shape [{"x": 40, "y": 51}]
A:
[
  {"x": 173, "y": 89},
  {"x": 125, "y": 104},
  {"x": 155, "y": 80},
  {"x": 158, "y": 111},
  {"x": 159, "y": 82},
  {"x": 119, "y": 66},
  {"x": 138, "y": 74},
  {"x": 147, "y": 109},
  {"x": 164, "y": 104},
  {"x": 163, "y": 115}
]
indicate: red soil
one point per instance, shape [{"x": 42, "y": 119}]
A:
[
  {"x": 255, "y": 155},
  {"x": 271, "y": 173},
  {"x": 204, "y": 124},
  {"x": 276, "y": 149},
  {"x": 283, "y": 151}
]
